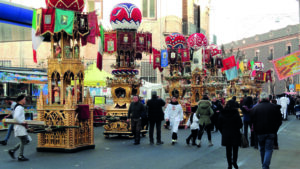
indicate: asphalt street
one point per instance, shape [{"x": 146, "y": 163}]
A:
[{"x": 120, "y": 153}]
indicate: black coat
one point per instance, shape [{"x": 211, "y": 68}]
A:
[
  {"x": 229, "y": 124},
  {"x": 266, "y": 118},
  {"x": 155, "y": 112},
  {"x": 136, "y": 110}
]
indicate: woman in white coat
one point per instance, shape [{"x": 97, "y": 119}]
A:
[{"x": 174, "y": 114}]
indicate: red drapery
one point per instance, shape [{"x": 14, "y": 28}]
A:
[
  {"x": 149, "y": 42},
  {"x": 141, "y": 42},
  {"x": 48, "y": 20},
  {"x": 110, "y": 42},
  {"x": 185, "y": 55}
]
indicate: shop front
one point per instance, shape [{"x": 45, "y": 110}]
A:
[{"x": 17, "y": 81}]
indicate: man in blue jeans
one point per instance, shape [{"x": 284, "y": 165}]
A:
[
  {"x": 12, "y": 105},
  {"x": 266, "y": 121}
]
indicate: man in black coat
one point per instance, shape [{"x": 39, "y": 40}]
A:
[
  {"x": 155, "y": 116},
  {"x": 217, "y": 107},
  {"x": 135, "y": 112},
  {"x": 266, "y": 121}
]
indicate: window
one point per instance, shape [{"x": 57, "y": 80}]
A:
[
  {"x": 149, "y": 9},
  {"x": 271, "y": 54},
  {"x": 255, "y": 59},
  {"x": 288, "y": 50},
  {"x": 148, "y": 73},
  {"x": 5, "y": 63}
]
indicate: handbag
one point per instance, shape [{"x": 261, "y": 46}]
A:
[{"x": 244, "y": 141}]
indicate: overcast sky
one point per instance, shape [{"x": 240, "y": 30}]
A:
[{"x": 236, "y": 19}]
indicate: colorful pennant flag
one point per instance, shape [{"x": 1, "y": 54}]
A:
[
  {"x": 36, "y": 40},
  {"x": 164, "y": 58},
  {"x": 94, "y": 28},
  {"x": 241, "y": 66},
  {"x": 48, "y": 21},
  {"x": 110, "y": 42},
  {"x": 156, "y": 58},
  {"x": 230, "y": 68},
  {"x": 185, "y": 55},
  {"x": 64, "y": 20}
]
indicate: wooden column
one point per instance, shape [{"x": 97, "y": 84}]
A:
[
  {"x": 50, "y": 89},
  {"x": 52, "y": 47},
  {"x": 62, "y": 45},
  {"x": 75, "y": 90},
  {"x": 62, "y": 90}
]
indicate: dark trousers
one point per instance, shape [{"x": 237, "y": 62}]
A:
[
  {"x": 157, "y": 123},
  {"x": 201, "y": 131},
  {"x": 254, "y": 139},
  {"x": 232, "y": 154},
  {"x": 144, "y": 124},
  {"x": 246, "y": 126},
  {"x": 193, "y": 135},
  {"x": 214, "y": 121},
  {"x": 135, "y": 129},
  {"x": 276, "y": 140},
  {"x": 21, "y": 144},
  {"x": 174, "y": 136}
]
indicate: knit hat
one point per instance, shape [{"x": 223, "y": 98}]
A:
[
  {"x": 153, "y": 93},
  {"x": 21, "y": 97}
]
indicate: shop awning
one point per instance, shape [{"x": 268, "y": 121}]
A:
[{"x": 22, "y": 75}]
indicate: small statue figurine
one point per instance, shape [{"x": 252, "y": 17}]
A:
[
  {"x": 76, "y": 49},
  {"x": 56, "y": 93},
  {"x": 57, "y": 51},
  {"x": 68, "y": 90},
  {"x": 68, "y": 52}
]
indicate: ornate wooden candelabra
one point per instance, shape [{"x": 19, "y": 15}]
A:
[{"x": 65, "y": 101}]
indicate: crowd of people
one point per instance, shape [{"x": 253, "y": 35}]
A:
[{"x": 262, "y": 115}]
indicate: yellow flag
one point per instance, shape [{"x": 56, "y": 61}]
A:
[{"x": 241, "y": 66}]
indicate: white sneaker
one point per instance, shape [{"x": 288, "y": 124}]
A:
[{"x": 210, "y": 143}]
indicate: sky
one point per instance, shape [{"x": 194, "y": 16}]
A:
[{"x": 232, "y": 20}]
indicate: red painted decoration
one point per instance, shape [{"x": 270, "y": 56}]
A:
[{"x": 74, "y": 5}]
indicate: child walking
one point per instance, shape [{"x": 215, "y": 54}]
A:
[{"x": 193, "y": 123}]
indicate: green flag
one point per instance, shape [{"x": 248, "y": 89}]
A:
[
  {"x": 34, "y": 19},
  {"x": 64, "y": 20},
  {"x": 102, "y": 34},
  {"x": 252, "y": 64}
]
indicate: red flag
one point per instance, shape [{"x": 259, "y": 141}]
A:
[
  {"x": 238, "y": 64},
  {"x": 185, "y": 55},
  {"x": 228, "y": 63},
  {"x": 110, "y": 43},
  {"x": 156, "y": 59},
  {"x": 48, "y": 20},
  {"x": 249, "y": 65},
  {"x": 99, "y": 61},
  {"x": 34, "y": 56},
  {"x": 149, "y": 42}
]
